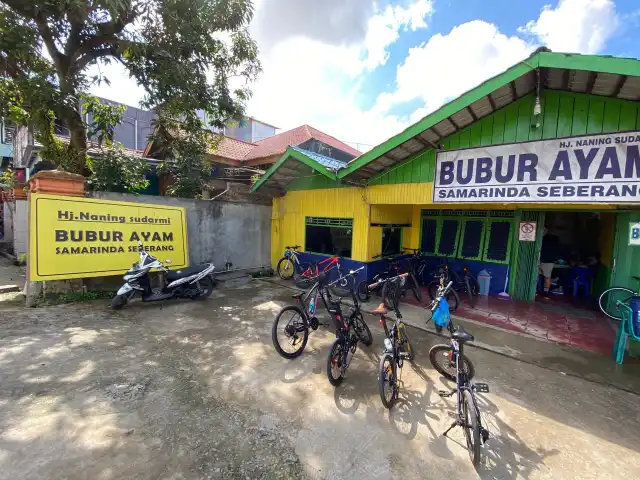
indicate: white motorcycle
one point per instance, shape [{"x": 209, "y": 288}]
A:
[{"x": 192, "y": 282}]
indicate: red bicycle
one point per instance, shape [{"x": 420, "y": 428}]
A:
[{"x": 290, "y": 264}]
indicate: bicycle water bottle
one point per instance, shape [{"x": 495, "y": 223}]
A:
[{"x": 312, "y": 305}]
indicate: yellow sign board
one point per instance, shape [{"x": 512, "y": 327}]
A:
[{"x": 74, "y": 237}]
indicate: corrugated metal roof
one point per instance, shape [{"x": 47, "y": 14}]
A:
[{"x": 330, "y": 163}]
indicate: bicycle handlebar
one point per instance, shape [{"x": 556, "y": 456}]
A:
[
  {"x": 292, "y": 247},
  {"x": 439, "y": 297},
  {"x": 350, "y": 274},
  {"x": 374, "y": 285}
]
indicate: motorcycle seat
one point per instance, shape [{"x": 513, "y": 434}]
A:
[{"x": 185, "y": 272}]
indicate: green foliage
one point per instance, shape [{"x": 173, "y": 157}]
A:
[
  {"x": 183, "y": 52},
  {"x": 7, "y": 179},
  {"x": 115, "y": 171},
  {"x": 186, "y": 145},
  {"x": 105, "y": 118}
]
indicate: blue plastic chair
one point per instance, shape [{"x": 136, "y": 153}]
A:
[
  {"x": 581, "y": 278},
  {"x": 625, "y": 332}
]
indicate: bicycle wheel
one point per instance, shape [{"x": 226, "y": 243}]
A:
[
  {"x": 443, "y": 360},
  {"x": 362, "y": 329},
  {"x": 415, "y": 288},
  {"x": 471, "y": 291},
  {"x": 405, "y": 343},
  {"x": 387, "y": 381},
  {"x": 334, "y": 362},
  {"x": 363, "y": 291},
  {"x": 453, "y": 300},
  {"x": 290, "y": 332},
  {"x": 471, "y": 427},
  {"x": 432, "y": 288},
  {"x": 609, "y": 297},
  {"x": 286, "y": 268}
]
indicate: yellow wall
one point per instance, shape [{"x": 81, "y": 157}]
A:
[
  {"x": 335, "y": 202},
  {"x": 393, "y": 204}
]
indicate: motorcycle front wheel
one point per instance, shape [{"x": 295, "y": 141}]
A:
[{"x": 120, "y": 301}]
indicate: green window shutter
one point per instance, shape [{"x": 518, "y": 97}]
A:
[
  {"x": 449, "y": 235},
  {"x": 472, "y": 239},
  {"x": 429, "y": 235},
  {"x": 497, "y": 245}
]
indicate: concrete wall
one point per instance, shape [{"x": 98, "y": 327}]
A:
[
  {"x": 218, "y": 232},
  {"x": 20, "y": 227},
  {"x": 7, "y": 219}
]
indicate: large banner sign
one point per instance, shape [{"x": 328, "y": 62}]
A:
[
  {"x": 594, "y": 168},
  {"x": 73, "y": 237}
]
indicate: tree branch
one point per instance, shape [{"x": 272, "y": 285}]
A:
[{"x": 47, "y": 38}]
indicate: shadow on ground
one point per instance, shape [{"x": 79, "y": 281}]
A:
[{"x": 196, "y": 390}]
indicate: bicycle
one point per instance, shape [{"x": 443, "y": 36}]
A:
[
  {"x": 290, "y": 264},
  {"x": 299, "y": 318},
  {"x": 441, "y": 317},
  {"x": 468, "y": 414},
  {"x": 393, "y": 269},
  {"x": 609, "y": 299},
  {"x": 466, "y": 283},
  {"x": 286, "y": 267},
  {"x": 397, "y": 346},
  {"x": 351, "y": 329}
]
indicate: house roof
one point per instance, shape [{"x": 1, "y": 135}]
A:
[
  {"x": 590, "y": 74},
  {"x": 295, "y": 163},
  {"x": 232, "y": 148},
  {"x": 278, "y": 144}
]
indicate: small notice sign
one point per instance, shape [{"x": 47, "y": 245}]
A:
[
  {"x": 634, "y": 234},
  {"x": 527, "y": 231}
]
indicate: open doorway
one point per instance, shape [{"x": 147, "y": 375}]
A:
[{"x": 581, "y": 245}]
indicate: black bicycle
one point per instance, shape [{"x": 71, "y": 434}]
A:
[
  {"x": 395, "y": 266},
  {"x": 397, "y": 346},
  {"x": 294, "y": 321},
  {"x": 468, "y": 415},
  {"x": 351, "y": 329},
  {"x": 463, "y": 282}
]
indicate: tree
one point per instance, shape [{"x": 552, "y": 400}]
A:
[{"x": 183, "y": 52}]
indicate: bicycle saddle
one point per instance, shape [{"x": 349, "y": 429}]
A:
[
  {"x": 381, "y": 310},
  {"x": 298, "y": 295},
  {"x": 461, "y": 335}
]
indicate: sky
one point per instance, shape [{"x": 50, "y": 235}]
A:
[{"x": 364, "y": 70}]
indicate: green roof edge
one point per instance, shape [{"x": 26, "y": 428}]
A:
[
  {"x": 540, "y": 58},
  {"x": 301, "y": 157}
]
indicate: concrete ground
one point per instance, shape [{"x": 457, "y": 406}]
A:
[
  {"x": 183, "y": 390},
  {"x": 12, "y": 277}
]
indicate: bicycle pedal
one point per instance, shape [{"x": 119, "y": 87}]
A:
[
  {"x": 481, "y": 387},
  {"x": 404, "y": 355},
  {"x": 445, "y": 393}
]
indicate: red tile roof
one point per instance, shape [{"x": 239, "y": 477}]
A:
[
  {"x": 232, "y": 148},
  {"x": 278, "y": 144}
]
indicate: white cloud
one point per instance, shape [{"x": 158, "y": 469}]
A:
[
  {"x": 448, "y": 65},
  {"x": 577, "y": 26},
  {"x": 307, "y": 80},
  {"x": 316, "y": 54}
]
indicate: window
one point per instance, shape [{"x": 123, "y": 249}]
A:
[
  {"x": 471, "y": 235},
  {"x": 449, "y": 233},
  {"x": 498, "y": 246},
  {"x": 391, "y": 241},
  {"x": 429, "y": 235},
  {"x": 330, "y": 236}
]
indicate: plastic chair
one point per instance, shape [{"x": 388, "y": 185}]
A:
[
  {"x": 581, "y": 278},
  {"x": 625, "y": 332}
]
